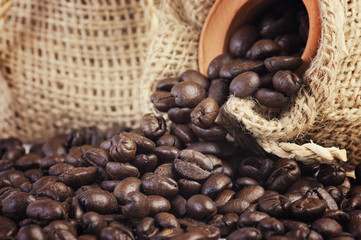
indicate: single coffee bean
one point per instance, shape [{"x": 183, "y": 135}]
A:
[
  {"x": 78, "y": 177},
  {"x": 31, "y": 232},
  {"x": 183, "y": 132},
  {"x": 127, "y": 185},
  {"x": 244, "y": 84},
  {"x": 190, "y": 170},
  {"x": 250, "y": 219},
  {"x": 280, "y": 26},
  {"x": 340, "y": 216},
  {"x": 8, "y": 228},
  {"x": 286, "y": 82},
  {"x": 152, "y": 126},
  {"x": 264, "y": 48},
  {"x": 274, "y": 64},
  {"x": 205, "y": 113},
  {"x": 271, "y": 98},
  {"x": 178, "y": 204},
  {"x": 274, "y": 204},
  {"x": 119, "y": 171},
  {"x": 55, "y": 146},
  {"x": 289, "y": 43},
  {"x": 326, "y": 227},
  {"x": 109, "y": 185},
  {"x": 225, "y": 71},
  {"x": 167, "y": 84},
  {"x": 144, "y": 144},
  {"x": 110, "y": 142},
  {"x": 34, "y": 174},
  {"x": 146, "y": 228},
  {"x": 163, "y": 101},
  {"x": 219, "y": 90},
  {"x": 76, "y": 211},
  {"x": 169, "y": 140},
  {"x": 93, "y": 223},
  {"x": 188, "y": 94},
  {"x": 215, "y": 184},
  {"x": 165, "y": 154},
  {"x": 332, "y": 174},
  {"x": 224, "y": 197},
  {"x": 215, "y": 65},
  {"x": 167, "y": 170},
  {"x": 44, "y": 180},
  {"x": 243, "y": 66},
  {"x": 167, "y": 220},
  {"x": 270, "y": 227},
  {"x": 14, "y": 205},
  {"x": 113, "y": 233},
  {"x": 304, "y": 184},
  {"x": 159, "y": 185},
  {"x": 45, "y": 210},
  {"x": 58, "y": 191},
  {"x": 308, "y": 208},
  {"x": 136, "y": 205},
  {"x": 196, "y": 77},
  {"x": 179, "y": 115},
  {"x": 242, "y": 40},
  {"x": 145, "y": 162},
  {"x": 244, "y": 182},
  {"x": 158, "y": 204},
  {"x": 124, "y": 151},
  {"x": 28, "y": 161},
  {"x": 201, "y": 207},
  {"x": 60, "y": 168},
  {"x": 250, "y": 233},
  {"x": 251, "y": 194},
  {"x": 353, "y": 203},
  {"x": 98, "y": 200},
  {"x": 96, "y": 157},
  {"x": 236, "y": 205},
  {"x": 322, "y": 194},
  {"x": 188, "y": 188},
  {"x": 335, "y": 193},
  {"x": 285, "y": 173},
  {"x": 75, "y": 157},
  {"x": 212, "y": 133}
]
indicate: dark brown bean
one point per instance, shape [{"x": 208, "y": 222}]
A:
[
  {"x": 78, "y": 177},
  {"x": 205, "y": 113},
  {"x": 201, "y": 207},
  {"x": 188, "y": 94},
  {"x": 152, "y": 126},
  {"x": 264, "y": 48},
  {"x": 159, "y": 185},
  {"x": 163, "y": 100},
  {"x": 196, "y": 77},
  {"x": 179, "y": 115},
  {"x": 215, "y": 65},
  {"x": 167, "y": 84},
  {"x": 127, "y": 185},
  {"x": 286, "y": 82},
  {"x": 120, "y": 171},
  {"x": 136, "y": 205},
  {"x": 245, "y": 84}
]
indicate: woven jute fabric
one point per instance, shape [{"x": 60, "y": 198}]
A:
[{"x": 327, "y": 110}]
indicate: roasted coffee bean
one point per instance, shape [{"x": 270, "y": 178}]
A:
[
  {"x": 31, "y": 232},
  {"x": 250, "y": 233},
  {"x": 272, "y": 29},
  {"x": 58, "y": 191},
  {"x": 225, "y": 71},
  {"x": 183, "y": 132},
  {"x": 98, "y": 200},
  {"x": 136, "y": 205},
  {"x": 239, "y": 67},
  {"x": 144, "y": 144},
  {"x": 55, "y": 146},
  {"x": 44, "y": 180},
  {"x": 213, "y": 133},
  {"x": 53, "y": 229},
  {"x": 153, "y": 184},
  {"x": 8, "y": 228},
  {"x": 75, "y": 157},
  {"x": 6, "y": 164},
  {"x": 190, "y": 170},
  {"x": 294, "y": 196},
  {"x": 244, "y": 84},
  {"x": 215, "y": 65},
  {"x": 167, "y": 170},
  {"x": 14, "y": 205},
  {"x": 130, "y": 184},
  {"x": 152, "y": 126},
  {"x": 34, "y": 174},
  {"x": 180, "y": 115},
  {"x": 178, "y": 204},
  {"x": 120, "y": 171},
  {"x": 188, "y": 94},
  {"x": 322, "y": 194},
  {"x": 334, "y": 192},
  {"x": 256, "y": 168},
  {"x": 96, "y": 156},
  {"x": 289, "y": 43},
  {"x": 78, "y": 177},
  {"x": 285, "y": 173},
  {"x": 236, "y": 205},
  {"x": 158, "y": 204},
  {"x": 60, "y": 168},
  {"x": 219, "y": 90},
  {"x": 274, "y": 64},
  {"x": 145, "y": 162},
  {"x": 304, "y": 184},
  {"x": 332, "y": 174},
  {"x": 215, "y": 184},
  {"x": 188, "y": 235},
  {"x": 244, "y": 182},
  {"x": 169, "y": 140},
  {"x": 167, "y": 84},
  {"x": 270, "y": 227},
  {"x": 274, "y": 204},
  {"x": 196, "y": 77},
  {"x": 326, "y": 227},
  {"x": 271, "y": 98},
  {"x": 28, "y": 161},
  {"x": 353, "y": 203},
  {"x": 218, "y": 149},
  {"x": 166, "y": 220},
  {"x": 250, "y": 219},
  {"x": 109, "y": 185},
  {"x": 124, "y": 151},
  {"x": 308, "y": 208},
  {"x": 163, "y": 101},
  {"x": 264, "y": 48},
  {"x": 201, "y": 207},
  {"x": 354, "y": 227},
  {"x": 93, "y": 223},
  {"x": 341, "y": 236},
  {"x": 337, "y": 215},
  {"x": 108, "y": 143},
  {"x": 46, "y": 210},
  {"x": 15, "y": 177},
  {"x": 224, "y": 197},
  {"x": 205, "y": 113},
  {"x": 188, "y": 188},
  {"x": 242, "y": 40},
  {"x": 251, "y": 194},
  {"x": 113, "y": 233},
  {"x": 146, "y": 228},
  {"x": 75, "y": 212},
  {"x": 165, "y": 154},
  {"x": 286, "y": 82}
]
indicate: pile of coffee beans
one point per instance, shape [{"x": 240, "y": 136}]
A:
[
  {"x": 260, "y": 62},
  {"x": 185, "y": 181}
]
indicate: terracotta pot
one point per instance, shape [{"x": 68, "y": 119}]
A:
[{"x": 226, "y": 15}]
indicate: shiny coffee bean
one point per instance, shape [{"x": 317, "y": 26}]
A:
[
  {"x": 180, "y": 115},
  {"x": 31, "y": 232},
  {"x": 218, "y": 149},
  {"x": 76, "y": 211},
  {"x": 219, "y": 90},
  {"x": 322, "y": 194},
  {"x": 75, "y": 157},
  {"x": 236, "y": 205},
  {"x": 8, "y": 228},
  {"x": 285, "y": 173},
  {"x": 183, "y": 132},
  {"x": 271, "y": 98},
  {"x": 146, "y": 228},
  {"x": 196, "y": 77},
  {"x": 165, "y": 154},
  {"x": 264, "y": 48},
  {"x": 169, "y": 140},
  {"x": 250, "y": 233},
  {"x": 225, "y": 71},
  {"x": 109, "y": 185},
  {"x": 250, "y": 219},
  {"x": 93, "y": 223},
  {"x": 341, "y": 236},
  {"x": 326, "y": 227},
  {"x": 190, "y": 170},
  {"x": 167, "y": 220},
  {"x": 188, "y": 94},
  {"x": 145, "y": 162},
  {"x": 215, "y": 184},
  {"x": 127, "y": 185},
  {"x": 136, "y": 205},
  {"x": 274, "y": 204},
  {"x": 167, "y": 84},
  {"x": 308, "y": 208},
  {"x": 166, "y": 170},
  {"x": 224, "y": 197},
  {"x": 337, "y": 215},
  {"x": 46, "y": 210},
  {"x": 98, "y": 200},
  {"x": 78, "y": 177},
  {"x": 256, "y": 168},
  {"x": 244, "y": 84},
  {"x": 58, "y": 191},
  {"x": 152, "y": 126},
  {"x": 286, "y": 82},
  {"x": 110, "y": 142},
  {"x": 96, "y": 157},
  {"x": 153, "y": 184},
  {"x": 270, "y": 227},
  {"x": 60, "y": 168},
  {"x": 205, "y": 113},
  {"x": 124, "y": 151},
  {"x": 215, "y": 65},
  {"x": 144, "y": 144},
  {"x": 34, "y": 174},
  {"x": 163, "y": 100},
  {"x": 201, "y": 207},
  {"x": 331, "y": 174},
  {"x": 178, "y": 204},
  {"x": 289, "y": 43},
  {"x": 354, "y": 227},
  {"x": 14, "y": 205},
  {"x": 239, "y": 67},
  {"x": 244, "y": 182},
  {"x": 158, "y": 204},
  {"x": 251, "y": 194},
  {"x": 274, "y": 64},
  {"x": 188, "y": 188},
  {"x": 277, "y": 27},
  {"x": 242, "y": 40},
  {"x": 28, "y": 161},
  {"x": 304, "y": 184},
  {"x": 120, "y": 171},
  {"x": 213, "y": 133}
]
